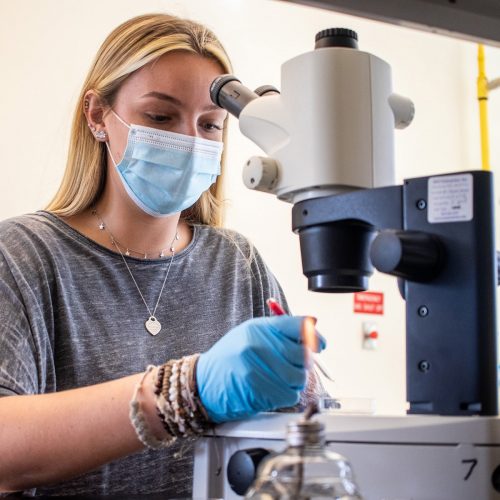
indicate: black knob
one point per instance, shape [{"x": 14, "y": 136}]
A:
[
  {"x": 410, "y": 255},
  {"x": 495, "y": 478},
  {"x": 242, "y": 468},
  {"x": 336, "y": 37}
]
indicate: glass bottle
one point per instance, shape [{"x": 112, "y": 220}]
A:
[{"x": 305, "y": 470}]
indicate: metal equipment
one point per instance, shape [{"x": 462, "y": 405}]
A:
[
  {"x": 393, "y": 458},
  {"x": 469, "y": 19},
  {"x": 435, "y": 234},
  {"x": 336, "y": 164}
]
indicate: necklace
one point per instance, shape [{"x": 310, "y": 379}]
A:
[
  {"x": 153, "y": 326},
  {"x": 128, "y": 250}
]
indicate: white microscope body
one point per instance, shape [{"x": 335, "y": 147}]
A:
[
  {"x": 331, "y": 132},
  {"x": 331, "y": 129}
]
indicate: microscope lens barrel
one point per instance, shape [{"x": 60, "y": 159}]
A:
[
  {"x": 229, "y": 93},
  {"x": 336, "y": 37}
]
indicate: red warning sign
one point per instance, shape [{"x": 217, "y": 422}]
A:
[{"x": 369, "y": 302}]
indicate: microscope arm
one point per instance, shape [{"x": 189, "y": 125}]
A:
[{"x": 467, "y": 19}]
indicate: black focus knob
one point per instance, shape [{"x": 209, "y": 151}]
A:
[
  {"x": 410, "y": 255},
  {"x": 242, "y": 468},
  {"x": 336, "y": 37},
  {"x": 495, "y": 478}
]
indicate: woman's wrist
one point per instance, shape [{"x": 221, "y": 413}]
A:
[
  {"x": 177, "y": 399},
  {"x": 142, "y": 414},
  {"x": 165, "y": 404}
]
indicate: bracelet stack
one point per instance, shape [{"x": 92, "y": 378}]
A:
[{"x": 177, "y": 403}]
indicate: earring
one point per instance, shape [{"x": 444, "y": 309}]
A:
[
  {"x": 100, "y": 135},
  {"x": 86, "y": 105}
]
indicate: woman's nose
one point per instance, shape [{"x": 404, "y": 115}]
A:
[{"x": 187, "y": 127}]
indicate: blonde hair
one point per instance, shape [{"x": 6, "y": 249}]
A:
[{"x": 130, "y": 46}]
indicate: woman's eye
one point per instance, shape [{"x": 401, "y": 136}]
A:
[
  {"x": 158, "y": 118},
  {"x": 212, "y": 127}
]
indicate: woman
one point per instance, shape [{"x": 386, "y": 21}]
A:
[{"x": 127, "y": 267}]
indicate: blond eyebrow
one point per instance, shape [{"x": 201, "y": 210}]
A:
[
  {"x": 174, "y": 100},
  {"x": 163, "y": 97}
]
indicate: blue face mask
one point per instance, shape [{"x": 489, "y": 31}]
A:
[{"x": 165, "y": 172}]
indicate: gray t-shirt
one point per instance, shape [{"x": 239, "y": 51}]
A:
[{"x": 71, "y": 316}]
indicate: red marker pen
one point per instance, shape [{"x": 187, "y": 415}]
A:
[{"x": 277, "y": 309}]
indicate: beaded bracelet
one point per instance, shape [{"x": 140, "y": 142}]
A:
[
  {"x": 177, "y": 403},
  {"x": 139, "y": 422},
  {"x": 177, "y": 400},
  {"x": 162, "y": 399},
  {"x": 191, "y": 407}
]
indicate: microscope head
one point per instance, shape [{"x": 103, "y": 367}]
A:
[{"x": 329, "y": 131}]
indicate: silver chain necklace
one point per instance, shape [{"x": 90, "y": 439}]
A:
[{"x": 153, "y": 326}]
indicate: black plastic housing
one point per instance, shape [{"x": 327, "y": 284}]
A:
[{"x": 451, "y": 353}]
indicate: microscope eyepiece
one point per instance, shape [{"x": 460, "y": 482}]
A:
[
  {"x": 227, "y": 92},
  {"x": 217, "y": 85},
  {"x": 336, "y": 37},
  {"x": 266, "y": 89}
]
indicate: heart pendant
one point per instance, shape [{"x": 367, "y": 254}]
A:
[{"x": 153, "y": 326}]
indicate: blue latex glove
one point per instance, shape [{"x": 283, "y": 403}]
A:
[{"x": 257, "y": 366}]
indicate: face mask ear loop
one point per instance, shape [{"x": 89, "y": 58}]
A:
[
  {"x": 107, "y": 145},
  {"x": 120, "y": 119},
  {"x": 111, "y": 155}
]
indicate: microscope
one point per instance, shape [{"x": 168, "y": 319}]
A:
[{"x": 329, "y": 139}]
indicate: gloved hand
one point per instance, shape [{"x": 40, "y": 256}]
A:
[{"x": 257, "y": 366}]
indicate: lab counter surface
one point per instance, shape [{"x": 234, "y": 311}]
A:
[{"x": 405, "y": 457}]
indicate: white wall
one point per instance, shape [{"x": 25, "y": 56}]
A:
[{"x": 46, "y": 47}]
